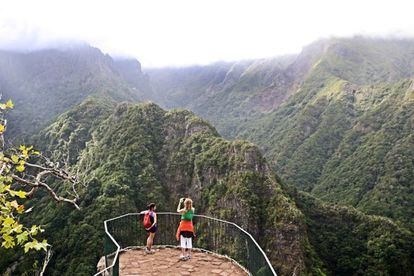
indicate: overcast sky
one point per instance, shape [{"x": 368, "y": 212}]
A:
[{"x": 184, "y": 32}]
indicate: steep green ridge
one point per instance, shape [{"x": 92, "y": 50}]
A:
[
  {"x": 344, "y": 142},
  {"x": 363, "y": 60},
  {"x": 352, "y": 243},
  {"x": 134, "y": 154},
  {"x": 341, "y": 127},
  {"x": 228, "y": 94},
  {"x": 43, "y": 84},
  {"x": 130, "y": 154},
  {"x": 336, "y": 120}
]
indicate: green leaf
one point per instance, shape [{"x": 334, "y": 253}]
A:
[
  {"x": 8, "y": 241},
  {"x": 8, "y": 221},
  {"x": 9, "y": 104},
  {"x": 35, "y": 245},
  {"x": 23, "y": 237},
  {"x": 34, "y": 230},
  {"x": 29, "y": 246},
  {"x": 41, "y": 245},
  {"x": 21, "y": 194},
  {"x": 15, "y": 158},
  {"x": 14, "y": 203},
  {"x": 18, "y": 228}
]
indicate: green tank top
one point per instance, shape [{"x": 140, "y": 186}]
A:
[{"x": 188, "y": 215}]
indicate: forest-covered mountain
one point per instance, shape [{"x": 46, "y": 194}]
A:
[
  {"x": 130, "y": 154},
  {"x": 335, "y": 120},
  {"x": 45, "y": 83}
]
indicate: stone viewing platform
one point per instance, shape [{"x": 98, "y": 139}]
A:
[
  {"x": 165, "y": 261},
  {"x": 223, "y": 247}
]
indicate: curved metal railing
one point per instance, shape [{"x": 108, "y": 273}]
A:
[{"x": 214, "y": 235}]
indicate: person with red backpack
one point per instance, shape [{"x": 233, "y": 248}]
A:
[{"x": 150, "y": 225}]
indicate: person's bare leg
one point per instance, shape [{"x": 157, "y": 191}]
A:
[
  {"x": 150, "y": 240},
  {"x": 148, "y": 244}
]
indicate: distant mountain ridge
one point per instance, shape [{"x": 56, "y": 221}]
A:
[
  {"x": 345, "y": 136},
  {"x": 45, "y": 83},
  {"x": 318, "y": 116},
  {"x": 257, "y": 86},
  {"x": 333, "y": 120}
]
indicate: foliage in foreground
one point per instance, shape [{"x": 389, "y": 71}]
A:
[
  {"x": 20, "y": 179},
  {"x": 12, "y": 196}
]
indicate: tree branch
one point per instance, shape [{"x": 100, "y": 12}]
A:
[
  {"x": 48, "y": 256},
  {"x": 41, "y": 184}
]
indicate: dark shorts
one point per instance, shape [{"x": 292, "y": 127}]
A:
[
  {"x": 152, "y": 229},
  {"x": 187, "y": 234}
]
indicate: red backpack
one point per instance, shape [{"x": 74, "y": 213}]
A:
[{"x": 147, "y": 220}]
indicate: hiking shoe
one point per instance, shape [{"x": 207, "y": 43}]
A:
[
  {"x": 183, "y": 258},
  {"x": 149, "y": 251}
]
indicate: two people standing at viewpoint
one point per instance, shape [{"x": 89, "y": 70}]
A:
[{"x": 185, "y": 232}]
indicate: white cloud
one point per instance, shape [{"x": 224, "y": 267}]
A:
[{"x": 181, "y": 32}]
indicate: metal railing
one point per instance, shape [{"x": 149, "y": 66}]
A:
[{"x": 214, "y": 235}]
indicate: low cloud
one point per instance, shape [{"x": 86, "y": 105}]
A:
[{"x": 171, "y": 33}]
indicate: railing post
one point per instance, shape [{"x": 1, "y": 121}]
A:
[{"x": 116, "y": 267}]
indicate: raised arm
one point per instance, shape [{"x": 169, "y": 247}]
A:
[{"x": 179, "y": 210}]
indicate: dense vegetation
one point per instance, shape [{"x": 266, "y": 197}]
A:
[
  {"x": 352, "y": 243},
  {"x": 335, "y": 121},
  {"x": 342, "y": 125},
  {"x": 128, "y": 155},
  {"x": 147, "y": 154}
]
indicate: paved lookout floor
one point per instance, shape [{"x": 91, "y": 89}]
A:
[{"x": 165, "y": 261}]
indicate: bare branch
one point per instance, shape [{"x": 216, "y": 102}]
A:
[
  {"x": 3, "y": 166},
  {"x": 41, "y": 184},
  {"x": 49, "y": 254}
]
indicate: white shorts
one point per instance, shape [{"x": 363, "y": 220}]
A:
[{"x": 186, "y": 242}]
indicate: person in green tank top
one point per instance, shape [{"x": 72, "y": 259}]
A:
[
  {"x": 185, "y": 232},
  {"x": 188, "y": 215}
]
